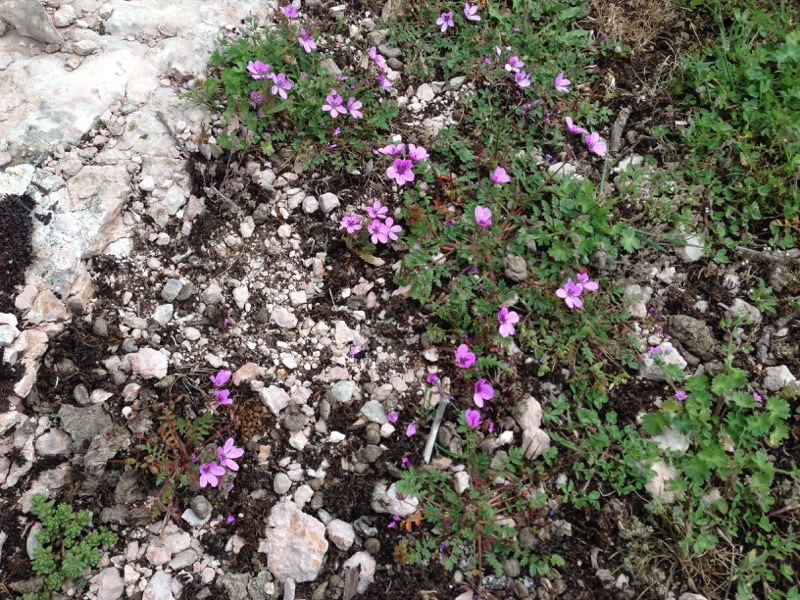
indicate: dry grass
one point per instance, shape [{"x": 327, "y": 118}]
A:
[{"x": 636, "y": 23}]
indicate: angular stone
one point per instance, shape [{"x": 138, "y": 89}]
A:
[
  {"x": 30, "y": 19},
  {"x": 110, "y": 585},
  {"x": 388, "y": 501},
  {"x": 149, "y": 363},
  {"x": 341, "y": 533},
  {"x": 53, "y": 443},
  {"x": 528, "y": 413},
  {"x": 295, "y": 543},
  {"x": 275, "y": 398},
  {"x": 171, "y": 290},
  {"x": 283, "y": 318},
  {"x": 365, "y": 564}
]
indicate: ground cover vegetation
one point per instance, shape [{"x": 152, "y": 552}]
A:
[
  {"x": 504, "y": 241},
  {"x": 503, "y": 224}
]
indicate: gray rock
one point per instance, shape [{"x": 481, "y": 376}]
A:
[
  {"x": 171, "y": 290},
  {"x": 666, "y": 353},
  {"x": 342, "y": 391},
  {"x": 375, "y": 412},
  {"x": 30, "y": 19},
  {"x": 425, "y": 92},
  {"x": 775, "y": 378},
  {"x": 257, "y": 585},
  {"x": 693, "y": 334},
  {"x": 747, "y": 311},
  {"x": 369, "y": 454},
  {"x": 515, "y": 268},
  {"x": 389, "y": 51},
  {"x": 53, "y": 443},
  {"x": 129, "y": 345},
  {"x": 81, "y": 395},
  {"x": 281, "y": 484},
  {"x": 110, "y": 585},
  {"x": 201, "y": 507},
  {"x": 329, "y": 202},
  {"x": 293, "y": 418},
  {"x": 376, "y": 38},
  {"x": 103, "y": 448},
  {"x": 387, "y": 500},
  {"x": 100, "y": 327},
  {"x": 183, "y": 559},
  {"x": 310, "y": 205},
  {"x": 84, "y": 423},
  {"x": 236, "y": 585},
  {"x": 163, "y": 314}
]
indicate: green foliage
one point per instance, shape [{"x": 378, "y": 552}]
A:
[
  {"x": 65, "y": 551},
  {"x": 474, "y": 530}
]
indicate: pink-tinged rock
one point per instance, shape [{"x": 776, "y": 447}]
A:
[
  {"x": 194, "y": 208},
  {"x": 99, "y": 396},
  {"x": 295, "y": 543},
  {"x": 275, "y": 398},
  {"x": 110, "y": 585},
  {"x": 283, "y": 318},
  {"x": 81, "y": 292},
  {"x": 341, "y": 533},
  {"x": 149, "y": 363},
  {"x": 46, "y": 308},
  {"x": 53, "y": 443},
  {"x": 247, "y": 373},
  {"x": 338, "y": 374},
  {"x": 161, "y": 587},
  {"x": 8, "y": 333},
  {"x": 25, "y": 299},
  {"x": 157, "y": 553},
  {"x": 49, "y": 483},
  {"x": 529, "y": 416}
]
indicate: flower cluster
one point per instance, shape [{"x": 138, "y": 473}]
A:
[
  {"x": 212, "y": 471},
  {"x": 593, "y": 141},
  {"x": 334, "y": 105},
  {"x": 380, "y": 61},
  {"x": 571, "y": 291},
  {"x": 445, "y": 20},
  {"x": 381, "y": 229},
  {"x": 401, "y": 170},
  {"x": 280, "y": 83},
  {"x": 223, "y": 396}
]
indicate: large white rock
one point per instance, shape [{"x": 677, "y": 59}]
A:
[
  {"x": 149, "y": 363},
  {"x": 295, "y": 543},
  {"x": 528, "y": 414}
]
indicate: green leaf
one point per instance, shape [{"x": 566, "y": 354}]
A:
[
  {"x": 630, "y": 240},
  {"x": 704, "y": 542},
  {"x": 654, "y": 423},
  {"x": 777, "y": 408}
]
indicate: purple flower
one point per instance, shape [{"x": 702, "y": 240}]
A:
[
  {"x": 281, "y": 85},
  {"x": 384, "y": 82},
  {"x": 417, "y": 153},
  {"x": 499, "y": 176},
  {"x": 258, "y": 69},
  {"x": 653, "y": 350},
  {"x": 432, "y": 378},
  {"x": 574, "y": 129},
  {"x": 395, "y": 520},
  {"x": 523, "y": 79},
  {"x": 680, "y": 395},
  {"x": 227, "y": 453},
  {"x": 473, "y": 418},
  {"x": 507, "y": 319},
  {"x": 464, "y": 358},
  {"x": 570, "y": 293},
  {"x": 350, "y": 222},
  {"x": 306, "y": 41},
  {"x": 334, "y": 104},
  {"x": 586, "y": 283},
  {"x": 757, "y": 397},
  {"x": 400, "y": 171},
  {"x": 290, "y": 12},
  {"x": 483, "y": 216},
  {"x": 406, "y": 462},
  {"x": 355, "y": 350},
  {"x": 210, "y": 474},
  {"x": 231, "y": 518},
  {"x": 411, "y": 429},
  {"x": 255, "y": 99},
  {"x": 514, "y": 64},
  {"x": 561, "y": 83},
  {"x": 375, "y": 230},
  {"x": 223, "y": 397},
  {"x": 378, "y": 58},
  {"x": 353, "y": 107},
  {"x": 595, "y": 143},
  {"x": 391, "y": 229},
  {"x": 392, "y": 149},
  {"x": 392, "y": 415},
  {"x": 471, "y": 12},
  {"x": 445, "y": 20},
  {"x": 482, "y": 391},
  {"x": 220, "y": 378},
  {"x": 376, "y": 210}
]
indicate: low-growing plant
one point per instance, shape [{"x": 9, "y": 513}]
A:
[
  {"x": 66, "y": 547},
  {"x": 474, "y": 530}
]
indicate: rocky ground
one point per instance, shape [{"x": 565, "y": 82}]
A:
[{"x": 138, "y": 260}]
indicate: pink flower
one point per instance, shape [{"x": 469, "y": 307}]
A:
[
  {"x": 561, "y": 83},
  {"x": 464, "y": 358},
  {"x": 473, "y": 418},
  {"x": 223, "y": 397},
  {"x": 445, "y": 20},
  {"x": 406, "y": 462},
  {"x": 376, "y": 210},
  {"x": 281, "y": 85},
  {"x": 411, "y": 429},
  {"x": 400, "y": 171},
  {"x": 471, "y": 12},
  {"x": 257, "y": 69},
  {"x": 227, "y": 453},
  {"x": 507, "y": 319},
  {"x": 375, "y": 230},
  {"x": 483, "y": 216},
  {"x": 392, "y": 415},
  {"x": 290, "y": 12},
  {"x": 395, "y": 520},
  {"x": 586, "y": 283},
  {"x": 499, "y": 176},
  {"x": 306, "y": 41},
  {"x": 210, "y": 474},
  {"x": 514, "y": 64},
  {"x": 355, "y": 350},
  {"x": 392, "y": 149},
  {"x": 353, "y": 107},
  {"x": 255, "y": 99},
  {"x": 680, "y": 395},
  {"x": 350, "y": 222},
  {"x": 571, "y": 294},
  {"x": 595, "y": 143},
  {"x": 379, "y": 60},
  {"x": 417, "y": 153},
  {"x": 523, "y": 79},
  {"x": 432, "y": 378},
  {"x": 574, "y": 129},
  {"x": 334, "y": 104},
  {"x": 482, "y": 391},
  {"x": 384, "y": 82},
  {"x": 391, "y": 229},
  {"x": 220, "y": 378}
]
